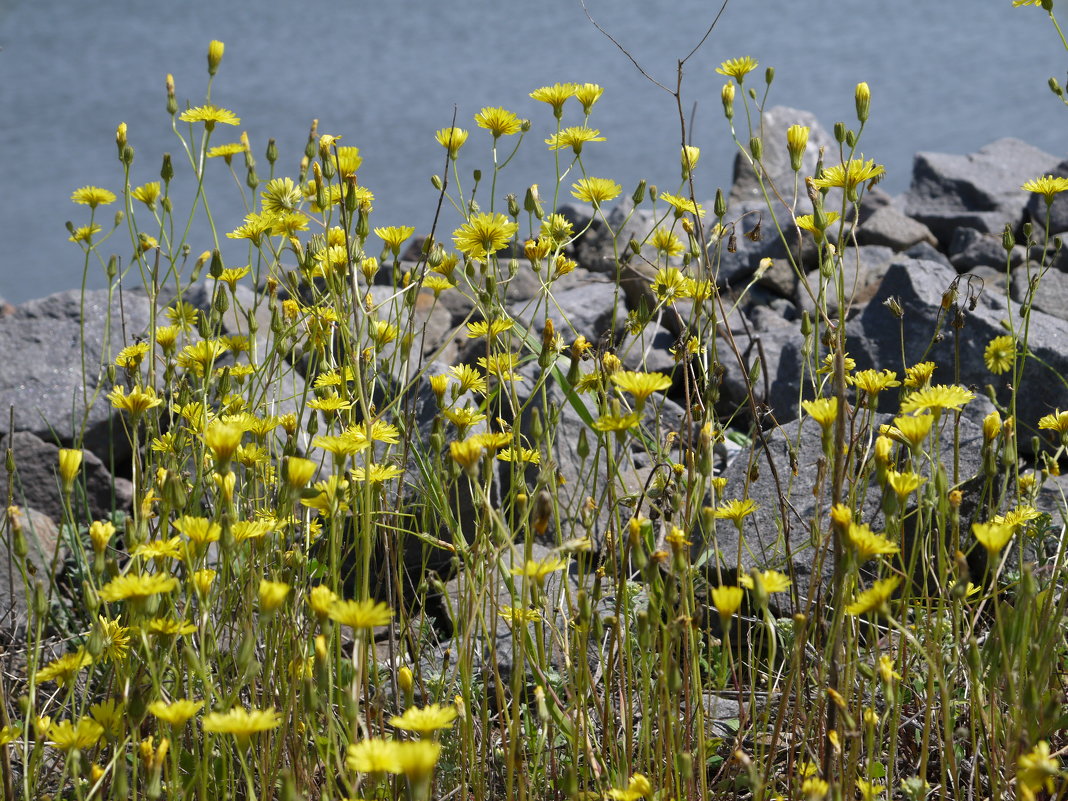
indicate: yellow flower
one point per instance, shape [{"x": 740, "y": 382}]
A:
[
  {"x": 198, "y": 530},
  {"x": 322, "y": 599},
  {"x": 209, "y": 115},
  {"x": 875, "y": 598},
  {"x": 940, "y": 396},
  {"x": 93, "y": 196},
  {"x": 520, "y": 454},
  {"x": 1000, "y": 354},
  {"x": 618, "y": 423},
  {"x": 1057, "y": 421},
  {"x": 873, "y": 382},
  {"x": 169, "y": 627},
  {"x": 131, "y": 356},
  {"x": 640, "y": 385},
  {"x": 360, "y": 614},
  {"x": 737, "y": 68},
  {"x": 67, "y": 736},
  {"x": 849, "y": 175},
  {"x": 139, "y": 401},
  {"x": 250, "y": 530},
  {"x": 498, "y": 121},
  {"x": 114, "y": 639},
  {"x": 376, "y": 473},
  {"x": 483, "y": 235},
  {"x": 84, "y": 233},
  {"x": 665, "y": 241},
  {"x": 1047, "y": 186},
  {"x": 595, "y": 190},
  {"x": 886, "y": 670},
  {"x": 912, "y": 430},
  {"x": 394, "y": 235},
  {"x": 993, "y": 536},
  {"x": 176, "y": 713},
  {"x": 242, "y": 723},
  {"x": 227, "y": 151},
  {"x": 539, "y": 571},
  {"x": 587, "y": 94},
  {"x": 517, "y": 615},
  {"x": 867, "y": 543},
  {"x": 122, "y": 588},
  {"x": 272, "y": 595},
  {"x": 101, "y": 532},
  {"x": 796, "y": 144},
  {"x": 425, "y": 720},
  {"x": 203, "y": 579},
  {"x": 8, "y": 734},
  {"x": 823, "y": 410},
  {"x": 231, "y": 275},
  {"x": 903, "y": 484},
  {"x": 727, "y": 601},
  {"x": 772, "y": 581},
  {"x": 574, "y": 137},
  {"x": 807, "y": 222},
  {"x": 64, "y": 669},
  {"x": 814, "y": 788},
  {"x": 919, "y": 375},
  {"x": 491, "y": 329},
  {"x": 689, "y": 157},
  {"x": 555, "y": 95},
  {"x": 682, "y": 205},
  {"x": 70, "y": 462},
  {"x": 1036, "y": 770},
  {"x": 452, "y": 139},
  {"x": 736, "y": 510},
  {"x": 638, "y": 786}
]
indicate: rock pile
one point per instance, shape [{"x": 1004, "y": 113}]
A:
[{"x": 937, "y": 253}]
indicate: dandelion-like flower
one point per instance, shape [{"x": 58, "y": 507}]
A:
[
  {"x": 682, "y": 205},
  {"x": 198, "y": 530},
  {"x": 807, "y": 222},
  {"x": 903, "y": 484},
  {"x": 665, "y": 241},
  {"x": 993, "y": 536},
  {"x": 242, "y": 723},
  {"x": 999, "y": 354},
  {"x": 177, "y": 712},
  {"x": 919, "y": 375},
  {"x": 1036, "y": 770},
  {"x": 361, "y": 614},
  {"x": 1057, "y": 421},
  {"x": 772, "y": 580},
  {"x": 67, "y": 736},
  {"x": 483, "y": 235},
  {"x": 574, "y": 137},
  {"x": 279, "y": 196},
  {"x": 139, "y": 401},
  {"x": 210, "y": 115},
  {"x": 138, "y": 586},
  {"x": 867, "y": 543},
  {"x": 736, "y": 510},
  {"x": 640, "y": 385},
  {"x": 638, "y": 786},
  {"x": 227, "y": 151},
  {"x": 587, "y": 94},
  {"x": 93, "y": 196},
  {"x": 272, "y": 595},
  {"x": 823, "y": 410},
  {"x": 555, "y": 95},
  {"x": 872, "y": 382},
  {"x": 617, "y": 423},
  {"x": 452, "y": 139},
  {"x": 875, "y": 598},
  {"x": 737, "y": 68},
  {"x": 426, "y": 719},
  {"x": 539, "y": 571},
  {"x": 498, "y": 121},
  {"x": 65, "y": 668},
  {"x": 849, "y": 175},
  {"x": 912, "y": 430},
  {"x": 1047, "y": 186},
  {"x": 938, "y": 397},
  {"x": 727, "y": 601}
]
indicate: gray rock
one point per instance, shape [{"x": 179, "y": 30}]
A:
[
  {"x": 980, "y": 190},
  {"x": 42, "y": 543},
  {"x": 604, "y": 246},
  {"x": 648, "y": 350},
  {"x": 778, "y": 381},
  {"x": 1051, "y": 296},
  {"x": 919, "y": 286},
  {"x": 36, "y": 484},
  {"x": 971, "y": 248},
  {"x": 780, "y": 278},
  {"x": 924, "y": 251},
  {"x": 587, "y": 310},
  {"x": 888, "y": 226},
  {"x": 863, "y": 270},
  {"x": 42, "y": 377}
]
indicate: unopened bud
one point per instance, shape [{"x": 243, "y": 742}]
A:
[
  {"x": 796, "y": 144},
  {"x": 839, "y": 132},
  {"x": 167, "y": 170},
  {"x": 756, "y": 147},
  {"x": 215, "y": 55},
  {"x": 727, "y": 96},
  {"x": 863, "y": 101}
]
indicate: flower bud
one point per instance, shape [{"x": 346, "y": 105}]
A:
[
  {"x": 1008, "y": 240},
  {"x": 127, "y": 155},
  {"x": 796, "y": 144},
  {"x": 863, "y": 101},
  {"x": 690, "y": 156},
  {"x": 166, "y": 172},
  {"x": 769, "y": 75},
  {"x": 513, "y": 205},
  {"x": 215, "y": 54},
  {"x": 719, "y": 207},
  {"x": 727, "y": 96},
  {"x": 1055, "y": 87},
  {"x": 839, "y": 132},
  {"x": 756, "y": 147},
  {"x": 639, "y": 193},
  {"x": 70, "y": 462},
  {"x": 120, "y": 137}
]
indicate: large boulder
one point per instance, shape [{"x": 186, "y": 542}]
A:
[
  {"x": 875, "y": 336},
  {"x": 980, "y": 190},
  {"x": 56, "y": 351}
]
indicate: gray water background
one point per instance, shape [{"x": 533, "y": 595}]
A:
[{"x": 385, "y": 74}]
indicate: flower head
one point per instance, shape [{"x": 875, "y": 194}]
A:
[
  {"x": 823, "y": 410},
  {"x": 139, "y": 401},
  {"x": 452, "y": 139},
  {"x": 498, "y": 121},
  {"x": 1036, "y": 771},
  {"x": 587, "y": 94},
  {"x": 360, "y": 614},
  {"x": 737, "y": 68},
  {"x": 939, "y": 397},
  {"x": 595, "y": 190},
  {"x": 92, "y": 196},
  {"x": 1000, "y": 354},
  {"x": 867, "y": 543},
  {"x": 242, "y": 723},
  {"x": 67, "y": 736},
  {"x": 872, "y": 382},
  {"x": 727, "y": 600},
  {"x": 483, "y": 235},
  {"x": 682, "y": 205},
  {"x": 993, "y": 536},
  {"x": 555, "y": 95},
  {"x": 176, "y": 713},
  {"x": 875, "y": 598},
  {"x": 426, "y": 719},
  {"x": 574, "y": 137},
  {"x": 138, "y": 586},
  {"x": 539, "y": 571},
  {"x": 209, "y": 115},
  {"x": 1047, "y": 186},
  {"x": 640, "y": 385},
  {"x": 849, "y": 175},
  {"x": 736, "y": 510}
]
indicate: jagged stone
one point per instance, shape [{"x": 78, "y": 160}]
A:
[{"x": 889, "y": 227}]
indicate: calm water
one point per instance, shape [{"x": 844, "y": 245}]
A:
[{"x": 950, "y": 75}]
